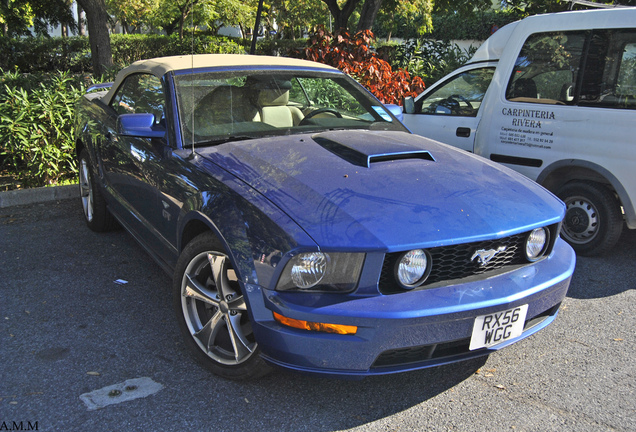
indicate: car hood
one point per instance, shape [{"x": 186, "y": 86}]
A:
[{"x": 386, "y": 190}]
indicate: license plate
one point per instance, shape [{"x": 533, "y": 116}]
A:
[{"x": 498, "y": 327}]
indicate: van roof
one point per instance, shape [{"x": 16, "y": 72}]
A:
[{"x": 493, "y": 47}]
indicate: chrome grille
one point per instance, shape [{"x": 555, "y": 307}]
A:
[{"x": 454, "y": 261}]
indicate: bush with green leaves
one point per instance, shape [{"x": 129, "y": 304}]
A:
[
  {"x": 37, "y": 127},
  {"x": 426, "y": 58}
]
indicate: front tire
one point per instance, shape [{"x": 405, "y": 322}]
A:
[
  {"x": 212, "y": 312},
  {"x": 593, "y": 220}
]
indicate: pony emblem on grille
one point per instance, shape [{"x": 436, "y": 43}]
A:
[{"x": 485, "y": 256}]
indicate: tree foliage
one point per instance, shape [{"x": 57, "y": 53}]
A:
[
  {"x": 412, "y": 17},
  {"x": 16, "y": 16},
  {"x": 295, "y": 16},
  {"x": 131, "y": 13}
]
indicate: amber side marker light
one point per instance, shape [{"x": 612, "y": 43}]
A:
[{"x": 314, "y": 326}]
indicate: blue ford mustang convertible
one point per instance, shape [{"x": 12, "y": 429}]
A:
[{"x": 305, "y": 227}]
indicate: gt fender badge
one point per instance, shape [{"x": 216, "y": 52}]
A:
[{"x": 486, "y": 255}]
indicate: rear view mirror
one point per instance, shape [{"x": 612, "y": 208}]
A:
[
  {"x": 139, "y": 125},
  {"x": 409, "y": 105},
  {"x": 396, "y": 110}
]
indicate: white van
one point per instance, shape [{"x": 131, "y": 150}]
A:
[{"x": 553, "y": 97}]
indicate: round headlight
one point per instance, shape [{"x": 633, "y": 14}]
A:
[
  {"x": 413, "y": 269},
  {"x": 536, "y": 244},
  {"x": 308, "y": 269}
]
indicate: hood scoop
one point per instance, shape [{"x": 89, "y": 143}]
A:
[{"x": 363, "y": 148}]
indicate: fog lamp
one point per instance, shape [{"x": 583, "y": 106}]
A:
[
  {"x": 536, "y": 244},
  {"x": 413, "y": 268}
]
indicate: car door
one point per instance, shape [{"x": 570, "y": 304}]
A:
[
  {"x": 130, "y": 162},
  {"x": 450, "y": 110}
]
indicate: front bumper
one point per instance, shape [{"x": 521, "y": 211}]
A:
[{"x": 407, "y": 331}]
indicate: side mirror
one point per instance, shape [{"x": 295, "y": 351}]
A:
[
  {"x": 139, "y": 125},
  {"x": 409, "y": 105},
  {"x": 396, "y": 110}
]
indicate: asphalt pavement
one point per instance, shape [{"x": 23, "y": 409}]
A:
[{"x": 89, "y": 342}]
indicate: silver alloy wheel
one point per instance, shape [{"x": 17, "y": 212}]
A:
[
  {"x": 581, "y": 222},
  {"x": 86, "y": 189},
  {"x": 215, "y": 311}
]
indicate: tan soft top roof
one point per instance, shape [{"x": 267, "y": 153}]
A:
[
  {"x": 159, "y": 66},
  {"x": 162, "y": 65}
]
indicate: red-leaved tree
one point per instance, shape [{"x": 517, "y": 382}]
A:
[{"x": 353, "y": 56}]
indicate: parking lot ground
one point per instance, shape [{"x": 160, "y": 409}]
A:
[{"x": 68, "y": 329}]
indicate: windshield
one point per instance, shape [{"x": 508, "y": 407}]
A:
[{"x": 219, "y": 106}]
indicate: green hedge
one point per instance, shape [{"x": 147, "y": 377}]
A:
[
  {"x": 28, "y": 55},
  {"x": 477, "y": 26},
  {"x": 129, "y": 48},
  {"x": 32, "y": 55}
]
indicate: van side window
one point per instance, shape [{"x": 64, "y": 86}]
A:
[
  {"x": 610, "y": 79},
  {"x": 461, "y": 96},
  {"x": 547, "y": 68},
  {"x": 594, "y": 68}
]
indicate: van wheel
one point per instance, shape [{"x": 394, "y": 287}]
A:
[
  {"x": 212, "y": 312},
  {"x": 593, "y": 220}
]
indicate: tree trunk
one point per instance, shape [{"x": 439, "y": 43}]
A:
[
  {"x": 367, "y": 16},
  {"x": 341, "y": 16},
  {"x": 98, "y": 35}
]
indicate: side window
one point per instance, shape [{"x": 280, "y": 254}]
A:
[
  {"x": 547, "y": 68},
  {"x": 609, "y": 78},
  {"x": 461, "y": 96},
  {"x": 140, "y": 93}
]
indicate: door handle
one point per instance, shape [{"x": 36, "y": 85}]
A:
[{"x": 463, "y": 132}]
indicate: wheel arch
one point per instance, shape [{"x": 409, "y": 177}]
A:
[
  {"x": 561, "y": 172},
  {"x": 194, "y": 224}
]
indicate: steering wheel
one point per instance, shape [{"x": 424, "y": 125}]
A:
[
  {"x": 319, "y": 111},
  {"x": 452, "y": 103},
  {"x": 463, "y": 99}
]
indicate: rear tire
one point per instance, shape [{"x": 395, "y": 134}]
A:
[
  {"x": 212, "y": 313},
  {"x": 593, "y": 220},
  {"x": 96, "y": 213}
]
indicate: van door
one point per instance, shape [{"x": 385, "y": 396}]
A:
[
  {"x": 450, "y": 110},
  {"x": 566, "y": 119}
]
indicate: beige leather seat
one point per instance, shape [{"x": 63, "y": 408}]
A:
[{"x": 273, "y": 109}]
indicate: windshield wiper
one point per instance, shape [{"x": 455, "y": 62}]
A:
[{"x": 223, "y": 140}]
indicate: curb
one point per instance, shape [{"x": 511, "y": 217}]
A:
[{"x": 37, "y": 195}]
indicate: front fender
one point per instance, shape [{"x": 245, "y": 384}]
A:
[{"x": 254, "y": 233}]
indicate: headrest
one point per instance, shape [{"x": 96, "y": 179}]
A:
[
  {"x": 268, "y": 82},
  {"x": 273, "y": 98}
]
